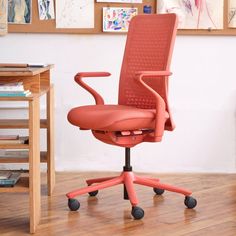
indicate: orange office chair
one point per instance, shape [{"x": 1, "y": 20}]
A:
[{"x": 142, "y": 113}]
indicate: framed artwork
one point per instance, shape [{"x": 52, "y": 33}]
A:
[
  {"x": 117, "y": 19},
  {"x": 232, "y": 14},
  {"x": 46, "y": 9},
  {"x": 19, "y": 11},
  {"x": 3, "y": 17},
  {"x": 74, "y": 14},
  {"x": 121, "y": 1},
  {"x": 195, "y": 14}
]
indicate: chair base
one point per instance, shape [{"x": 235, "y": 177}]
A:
[{"x": 128, "y": 178}]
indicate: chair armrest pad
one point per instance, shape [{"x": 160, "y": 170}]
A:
[
  {"x": 153, "y": 73},
  {"x": 92, "y": 74},
  {"x": 78, "y": 79}
]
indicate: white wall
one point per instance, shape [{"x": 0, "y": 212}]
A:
[{"x": 202, "y": 96}]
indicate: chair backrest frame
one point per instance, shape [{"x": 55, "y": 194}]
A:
[{"x": 149, "y": 47}]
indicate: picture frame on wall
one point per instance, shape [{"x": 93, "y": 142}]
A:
[{"x": 117, "y": 19}]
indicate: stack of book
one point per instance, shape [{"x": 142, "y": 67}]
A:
[
  {"x": 14, "y": 139},
  {"x": 8, "y": 178},
  {"x": 13, "y": 90}
]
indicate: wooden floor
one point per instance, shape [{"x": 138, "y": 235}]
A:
[{"x": 108, "y": 214}]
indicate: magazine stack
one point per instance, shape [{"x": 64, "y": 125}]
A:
[
  {"x": 13, "y": 90},
  {"x": 9, "y": 178}
]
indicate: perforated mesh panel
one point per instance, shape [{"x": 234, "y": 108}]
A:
[{"x": 148, "y": 48}]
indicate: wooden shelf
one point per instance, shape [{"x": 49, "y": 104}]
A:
[
  {"x": 19, "y": 123},
  {"x": 19, "y": 99},
  {"x": 43, "y": 90},
  {"x": 14, "y": 146},
  {"x": 25, "y": 99},
  {"x": 37, "y": 80},
  {"x": 22, "y": 159},
  {"x": 27, "y": 71},
  {"x": 21, "y": 186}
]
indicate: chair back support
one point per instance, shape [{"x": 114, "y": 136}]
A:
[{"x": 148, "y": 47}]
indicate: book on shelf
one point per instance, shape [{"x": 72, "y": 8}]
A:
[
  {"x": 11, "y": 180},
  {"x": 37, "y": 64},
  {"x": 8, "y": 155},
  {"x": 12, "y": 153},
  {"x": 13, "y": 90},
  {"x": 4, "y": 174},
  {"x": 20, "y": 140},
  {"x": 9, "y": 137},
  {"x": 15, "y": 93},
  {"x": 15, "y": 86}
]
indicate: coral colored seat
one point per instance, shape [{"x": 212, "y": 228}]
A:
[
  {"x": 113, "y": 117},
  {"x": 142, "y": 113}
]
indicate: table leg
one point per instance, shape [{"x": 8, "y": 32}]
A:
[
  {"x": 34, "y": 164},
  {"x": 50, "y": 141}
]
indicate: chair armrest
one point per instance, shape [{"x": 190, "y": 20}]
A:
[
  {"x": 153, "y": 73},
  {"x": 78, "y": 79},
  {"x": 160, "y": 103}
]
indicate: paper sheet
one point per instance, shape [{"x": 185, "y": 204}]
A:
[
  {"x": 19, "y": 11},
  {"x": 195, "y": 14},
  {"x": 46, "y": 9},
  {"x": 232, "y": 14},
  {"x": 3, "y": 17},
  {"x": 122, "y": 1},
  {"x": 74, "y": 14}
]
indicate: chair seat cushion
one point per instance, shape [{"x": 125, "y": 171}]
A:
[{"x": 112, "y": 117}]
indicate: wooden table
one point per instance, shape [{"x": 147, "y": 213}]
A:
[{"x": 37, "y": 80}]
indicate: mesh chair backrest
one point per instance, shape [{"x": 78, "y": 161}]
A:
[{"x": 148, "y": 47}]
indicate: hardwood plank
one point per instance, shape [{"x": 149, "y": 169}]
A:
[
  {"x": 224, "y": 228},
  {"x": 109, "y": 214}
]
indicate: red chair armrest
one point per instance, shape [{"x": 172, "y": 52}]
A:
[
  {"x": 160, "y": 103},
  {"x": 153, "y": 73},
  {"x": 78, "y": 78}
]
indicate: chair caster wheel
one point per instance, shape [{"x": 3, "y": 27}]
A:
[
  {"x": 190, "y": 202},
  {"x": 93, "y": 194},
  {"x": 158, "y": 191},
  {"x": 137, "y": 213},
  {"x": 73, "y": 204}
]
